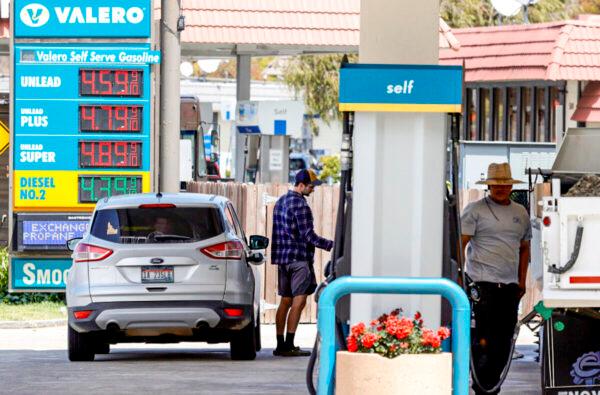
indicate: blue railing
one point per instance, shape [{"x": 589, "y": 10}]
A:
[{"x": 461, "y": 316}]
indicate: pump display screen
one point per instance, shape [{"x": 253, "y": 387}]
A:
[
  {"x": 119, "y": 154},
  {"x": 110, "y": 82},
  {"x": 109, "y": 118},
  {"x": 95, "y": 187}
]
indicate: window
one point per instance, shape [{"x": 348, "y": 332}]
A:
[
  {"x": 527, "y": 115},
  {"x": 157, "y": 225},
  {"x": 503, "y": 112},
  {"x": 513, "y": 130},
  {"x": 486, "y": 115},
  {"x": 238, "y": 227},
  {"x": 540, "y": 109},
  {"x": 498, "y": 114},
  {"x": 472, "y": 114}
]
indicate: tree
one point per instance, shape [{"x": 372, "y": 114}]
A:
[
  {"x": 316, "y": 78},
  {"x": 472, "y": 13}
]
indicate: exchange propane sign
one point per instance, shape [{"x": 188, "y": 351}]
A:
[{"x": 81, "y": 118}]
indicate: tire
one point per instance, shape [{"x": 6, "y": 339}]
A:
[
  {"x": 257, "y": 341},
  {"x": 81, "y": 346},
  {"x": 102, "y": 347},
  {"x": 243, "y": 344}
]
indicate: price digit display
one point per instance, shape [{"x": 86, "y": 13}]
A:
[
  {"x": 110, "y": 82},
  {"x": 94, "y": 188},
  {"x": 108, "y": 118},
  {"x": 118, "y": 154}
]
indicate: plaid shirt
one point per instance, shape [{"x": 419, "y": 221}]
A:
[{"x": 294, "y": 238}]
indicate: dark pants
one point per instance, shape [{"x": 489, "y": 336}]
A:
[{"x": 495, "y": 320}]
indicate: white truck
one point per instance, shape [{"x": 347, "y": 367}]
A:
[{"x": 565, "y": 267}]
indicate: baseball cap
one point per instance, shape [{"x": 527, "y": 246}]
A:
[{"x": 307, "y": 177}]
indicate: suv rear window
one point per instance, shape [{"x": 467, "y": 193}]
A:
[{"x": 157, "y": 225}]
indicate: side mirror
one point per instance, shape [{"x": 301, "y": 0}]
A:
[
  {"x": 258, "y": 242},
  {"x": 256, "y": 258},
  {"x": 72, "y": 243}
]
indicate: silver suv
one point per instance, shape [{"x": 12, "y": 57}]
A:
[{"x": 164, "y": 268}]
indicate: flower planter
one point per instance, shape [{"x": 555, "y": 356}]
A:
[{"x": 364, "y": 373}]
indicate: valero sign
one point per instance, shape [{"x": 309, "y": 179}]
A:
[
  {"x": 82, "y": 18},
  {"x": 401, "y": 88}
]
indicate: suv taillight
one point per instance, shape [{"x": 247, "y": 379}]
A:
[
  {"x": 90, "y": 253},
  {"x": 227, "y": 250}
]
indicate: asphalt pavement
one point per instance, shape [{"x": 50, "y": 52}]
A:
[{"x": 34, "y": 361}]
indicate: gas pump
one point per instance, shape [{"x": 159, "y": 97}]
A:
[{"x": 200, "y": 145}]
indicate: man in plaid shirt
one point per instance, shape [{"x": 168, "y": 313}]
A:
[{"x": 293, "y": 249}]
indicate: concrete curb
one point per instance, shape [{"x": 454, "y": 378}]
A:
[{"x": 32, "y": 324}]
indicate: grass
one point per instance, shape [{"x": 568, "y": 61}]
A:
[{"x": 32, "y": 311}]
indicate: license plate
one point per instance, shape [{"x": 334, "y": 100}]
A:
[{"x": 157, "y": 274}]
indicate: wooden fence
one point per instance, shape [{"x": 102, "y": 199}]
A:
[{"x": 254, "y": 204}]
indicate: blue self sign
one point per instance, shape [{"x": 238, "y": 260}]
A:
[
  {"x": 400, "y": 88},
  {"x": 83, "y": 18},
  {"x": 31, "y": 274}
]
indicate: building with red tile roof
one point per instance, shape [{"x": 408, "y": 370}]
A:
[{"x": 529, "y": 83}]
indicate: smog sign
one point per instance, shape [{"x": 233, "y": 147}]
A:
[{"x": 39, "y": 273}]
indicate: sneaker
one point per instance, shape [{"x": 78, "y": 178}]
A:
[
  {"x": 294, "y": 352},
  {"x": 278, "y": 352}
]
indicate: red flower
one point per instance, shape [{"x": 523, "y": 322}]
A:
[
  {"x": 443, "y": 333},
  {"x": 358, "y": 329},
  {"x": 352, "y": 344},
  {"x": 405, "y": 328},
  {"x": 404, "y": 345},
  {"x": 374, "y": 323},
  {"x": 391, "y": 324},
  {"x": 431, "y": 339},
  {"x": 369, "y": 339},
  {"x": 417, "y": 316}
]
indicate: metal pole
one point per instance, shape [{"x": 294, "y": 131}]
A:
[
  {"x": 243, "y": 82},
  {"x": 461, "y": 315},
  {"x": 169, "y": 100}
]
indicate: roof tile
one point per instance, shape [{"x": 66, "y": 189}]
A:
[{"x": 565, "y": 50}]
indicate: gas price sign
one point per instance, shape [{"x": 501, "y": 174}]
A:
[
  {"x": 110, "y": 118},
  {"x": 82, "y": 124},
  {"x": 119, "y": 154},
  {"x": 110, "y": 82},
  {"x": 92, "y": 188}
]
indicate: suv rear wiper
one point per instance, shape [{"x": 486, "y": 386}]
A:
[{"x": 168, "y": 237}]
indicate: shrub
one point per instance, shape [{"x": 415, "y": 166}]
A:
[{"x": 392, "y": 334}]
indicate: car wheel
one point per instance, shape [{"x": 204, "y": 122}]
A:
[
  {"x": 102, "y": 347},
  {"x": 81, "y": 346},
  {"x": 257, "y": 342},
  {"x": 243, "y": 344}
]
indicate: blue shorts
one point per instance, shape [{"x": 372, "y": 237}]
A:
[{"x": 296, "y": 278}]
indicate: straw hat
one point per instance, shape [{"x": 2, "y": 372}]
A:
[{"x": 499, "y": 174}]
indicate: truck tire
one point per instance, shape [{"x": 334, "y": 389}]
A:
[
  {"x": 81, "y": 346},
  {"x": 243, "y": 344}
]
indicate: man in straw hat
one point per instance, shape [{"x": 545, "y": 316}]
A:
[{"x": 495, "y": 233}]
